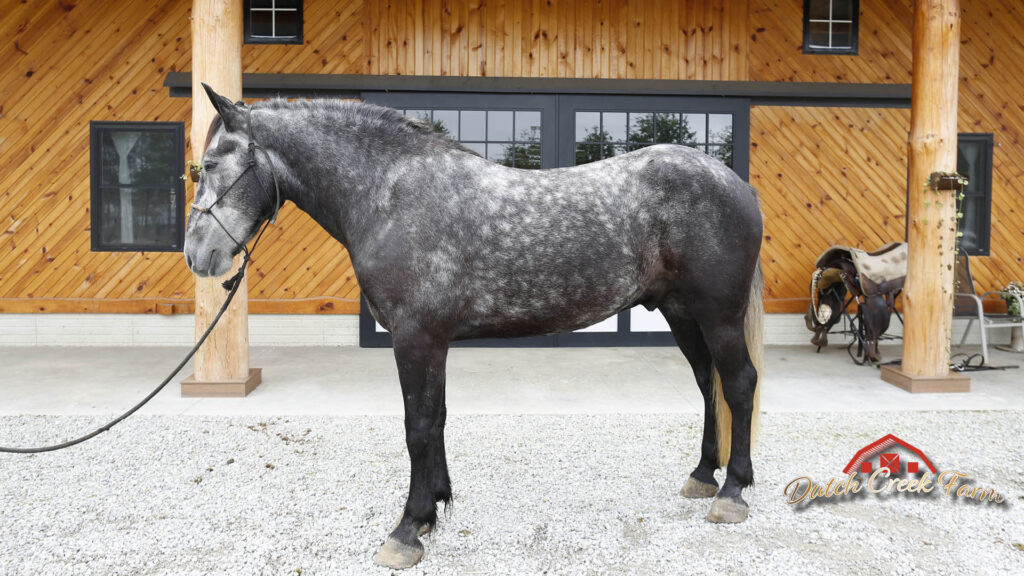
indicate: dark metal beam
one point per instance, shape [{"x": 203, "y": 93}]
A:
[{"x": 760, "y": 93}]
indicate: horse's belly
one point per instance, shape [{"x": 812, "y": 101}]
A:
[{"x": 545, "y": 310}]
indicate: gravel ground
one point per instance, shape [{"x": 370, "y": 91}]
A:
[{"x": 534, "y": 495}]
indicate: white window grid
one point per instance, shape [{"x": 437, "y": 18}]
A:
[
  {"x": 831, "y": 21},
  {"x": 273, "y": 19}
]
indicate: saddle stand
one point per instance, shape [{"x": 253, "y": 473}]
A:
[{"x": 872, "y": 280}]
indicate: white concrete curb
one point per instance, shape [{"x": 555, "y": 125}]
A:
[{"x": 287, "y": 330}]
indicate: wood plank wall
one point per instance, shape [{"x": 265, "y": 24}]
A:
[
  {"x": 67, "y": 62},
  {"x": 704, "y": 40},
  {"x": 837, "y": 162}
]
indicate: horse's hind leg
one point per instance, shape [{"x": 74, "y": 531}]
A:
[
  {"x": 421, "y": 370},
  {"x": 701, "y": 482},
  {"x": 726, "y": 341}
]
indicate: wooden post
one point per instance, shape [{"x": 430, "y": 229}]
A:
[
  {"x": 222, "y": 364},
  {"x": 928, "y": 294}
]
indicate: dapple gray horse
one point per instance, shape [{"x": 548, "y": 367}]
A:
[{"x": 447, "y": 246}]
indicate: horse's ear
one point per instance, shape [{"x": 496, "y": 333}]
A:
[{"x": 232, "y": 114}]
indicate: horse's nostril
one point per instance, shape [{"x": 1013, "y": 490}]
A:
[{"x": 188, "y": 261}]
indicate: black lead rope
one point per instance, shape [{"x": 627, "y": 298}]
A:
[{"x": 231, "y": 285}]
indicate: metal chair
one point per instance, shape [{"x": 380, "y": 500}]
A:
[{"x": 967, "y": 303}]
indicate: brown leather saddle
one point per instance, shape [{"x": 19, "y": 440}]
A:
[{"x": 873, "y": 280}]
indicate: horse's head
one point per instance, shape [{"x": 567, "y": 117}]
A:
[{"x": 236, "y": 192}]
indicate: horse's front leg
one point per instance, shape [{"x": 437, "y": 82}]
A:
[{"x": 421, "y": 368}]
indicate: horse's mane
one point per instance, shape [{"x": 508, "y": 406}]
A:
[{"x": 366, "y": 114}]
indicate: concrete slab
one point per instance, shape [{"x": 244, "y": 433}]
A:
[{"x": 354, "y": 381}]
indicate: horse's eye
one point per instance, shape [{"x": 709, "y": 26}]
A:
[{"x": 209, "y": 166}]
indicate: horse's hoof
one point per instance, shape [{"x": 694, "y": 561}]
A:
[
  {"x": 728, "y": 511},
  {"x": 694, "y": 488},
  {"x": 398, "y": 555}
]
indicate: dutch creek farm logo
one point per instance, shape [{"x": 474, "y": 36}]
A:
[{"x": 890, "y": 466}]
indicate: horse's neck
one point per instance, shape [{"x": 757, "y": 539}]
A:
[{"x": 337, "y": 183}]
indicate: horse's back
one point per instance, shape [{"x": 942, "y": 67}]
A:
[{"x": 516, "y": 252}]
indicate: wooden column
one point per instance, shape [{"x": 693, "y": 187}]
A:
[
  {"x": 222, "y": 364},
  {"x": 928, "y": 295}
]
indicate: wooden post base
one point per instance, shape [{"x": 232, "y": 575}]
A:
[
  {"x": 192, "y": 388},
  {"x": 952, "y": 382}
]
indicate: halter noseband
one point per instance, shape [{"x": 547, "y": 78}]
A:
[{"x": 253, "y": 147}]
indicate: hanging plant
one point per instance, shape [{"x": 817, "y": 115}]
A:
[
  {"x": 194, "y": 170},
  {"x": 1013, "y": 294}
]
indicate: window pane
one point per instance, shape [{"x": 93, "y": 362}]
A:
[
  {"x": 473, "y": 125},
  {"x": 818, "y": 10},
  {"x": 971, "y": 223},
  {"x": 528, "y": 156},
  {"x": 520, "y": 155},
  {"x": 666, "y": 128},
  {"x": 139, "y": 217},
  {"x": 615, "y": 126},
  {"x": 819, "y": 34},
  {"x": 969, "y": 163},
  {"x": 287, "y": 25},
  {"x": 287, "y": 3},
  {"x": 641, "y": 127},
  {"x": 527, "y": 125},
  {"x": 587, "y": 153},
  {"x": 138, "y": 158},
  {"x": 842, "y": 9},
  {"x": 720, "y": 128},
  {"x": 842, "y": 35},
  {"x": 418, "y": 114},
  {"x": 447, "y": 122},
  {"x": 262, "y": 3},
  {"x": 723, "y": 153},
  {"x": 154, "y": 160},
  {"x": 694, "y": 128},
  {"x": 499, "y": 153},
  {"x": 478, "y": 147},
  {"x": 588, "y": 126},
  {"x": 499, "y": 126},
  {"x": 620, "y": 149},
  {"x": 260, "y": 23}
]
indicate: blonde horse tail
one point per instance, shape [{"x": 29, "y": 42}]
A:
[{"x": 753, "y": 328}]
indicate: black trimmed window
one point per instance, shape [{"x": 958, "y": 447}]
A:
[
  {"x": 273, "y": 21},
  {"x": 830, "y": 26},
  {"x": 138, "y": 194},
  {"x": 974, "y": 160}
]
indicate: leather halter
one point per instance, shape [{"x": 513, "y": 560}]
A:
[{"x": 252, "y": 148}]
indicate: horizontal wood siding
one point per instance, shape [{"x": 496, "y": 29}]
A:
[{"x": 825, "y": 174}]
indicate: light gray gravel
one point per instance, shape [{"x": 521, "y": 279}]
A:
[{"x": 534, "y": 495}]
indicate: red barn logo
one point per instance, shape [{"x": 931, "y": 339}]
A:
[{"x": 885, "y": 449}]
